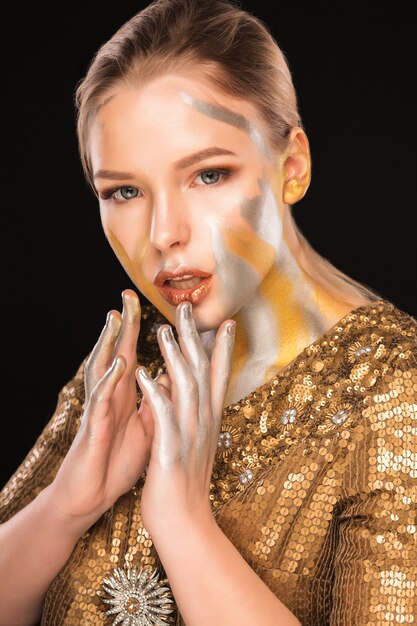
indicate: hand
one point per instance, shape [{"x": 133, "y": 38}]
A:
[
  {"x": 186, "y": 424},
  {"x": 112, "y": 445}
]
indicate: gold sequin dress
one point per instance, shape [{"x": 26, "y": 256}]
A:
[{"x": 318, "y": 466}]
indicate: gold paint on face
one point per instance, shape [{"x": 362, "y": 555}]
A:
[
  {"x": 132, "y": 269},
  {"x": 166, "y": 226},
  {"x": 290, "y": 321},
  {"x": 177, "y": 220},
  {"x": 245, "y": 244}
]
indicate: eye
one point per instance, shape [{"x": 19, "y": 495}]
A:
[
  {"x": 208, "y": 177},
  {"x": 212, "y": 176},
  {"x": 127, "y": 193}
]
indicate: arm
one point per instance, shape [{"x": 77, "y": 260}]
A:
[
  {"x": 105, "y": 458},
  {"x": 41, "y": 464},
  {"x": 211, "y": 581},
  {"x": 376, "y": 555},
  {"x": 34, "y": 545},
  {"x": 376, "y": 562}
]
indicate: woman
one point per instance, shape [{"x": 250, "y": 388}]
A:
[{"x": 240, "y": 450}]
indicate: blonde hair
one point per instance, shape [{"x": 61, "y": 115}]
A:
[{"x": 237, "y": 53}]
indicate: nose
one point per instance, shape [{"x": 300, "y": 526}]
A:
[{"x": 169, "y": 224}]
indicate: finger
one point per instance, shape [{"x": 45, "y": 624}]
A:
[
  {"x": 193, "y": 351},
  {"x": 144, "y": 410},
  {"x": 221, "y": 366},
  {"x": 189, "y": 339},
  {"x": 166, "y": 428},
  {"x": 101, "y": 356},
  {"x": 103, "y": 391},
  {"x": 165, "y": 381},
  {"x": 145, "y": 415},
  {"x": 184, "y": 387},
  {"x": 128, "y": 337}
]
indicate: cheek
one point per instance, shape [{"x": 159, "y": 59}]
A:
[
  {"x": 130, "y": 251},
  {"x": 129, "y": 240},
  {"x": 252, "y": 232},
  {"x": 125, "y": 227}
]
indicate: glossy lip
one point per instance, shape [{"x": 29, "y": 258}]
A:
[
  {"x": 193, "y": 295},
  {"x": 165, "y": 275}
]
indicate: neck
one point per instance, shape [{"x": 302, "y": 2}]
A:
[{"x": 288, "y": 312}]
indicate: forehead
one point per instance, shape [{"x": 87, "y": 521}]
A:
[{"x": 175, "y": 105}]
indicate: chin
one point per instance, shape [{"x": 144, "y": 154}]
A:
[{"x": 209, "y": 316}]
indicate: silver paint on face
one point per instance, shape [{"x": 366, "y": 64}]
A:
[
  {"x": 222, "y": 114},
  {"x": 241, "y": 281},
  {"x": 303, "y": 290},
  {"x": 258, "y": 314},
  {"x": 262, "y": 213},
  {"x": 238, "y": 278}
]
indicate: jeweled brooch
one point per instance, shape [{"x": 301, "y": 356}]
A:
[{"x": 138, "y": 598}]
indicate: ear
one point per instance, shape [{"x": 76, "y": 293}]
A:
[{"x": 296, "y": 166}]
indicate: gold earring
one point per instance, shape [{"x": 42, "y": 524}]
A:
[{"x": 293, "y": 191}]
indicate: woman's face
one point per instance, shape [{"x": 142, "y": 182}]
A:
[{"x": 186, "y": 180}]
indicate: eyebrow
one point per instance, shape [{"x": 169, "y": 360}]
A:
[{"x": 186, "y": 161}]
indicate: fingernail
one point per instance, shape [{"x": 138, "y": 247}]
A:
[
  {"x": 113, "y": 322},
  {"x": 186, "y": 310},
  {"x": 231, "y": 329},
  {"x": 167, "y": 333},
  {"x": 131, "y": 308},
  {"x": 143, "y": 373}
]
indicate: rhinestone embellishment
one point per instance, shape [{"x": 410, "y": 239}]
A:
[
  {"x": 138, "y": 598},
  {"x": 225, "y": 440},
  {"x": 246, "y": 476},
  {"x": 288, "y": 416},
  {"x": 340, "y": 417},
  {"x": 364, "y": 350}
]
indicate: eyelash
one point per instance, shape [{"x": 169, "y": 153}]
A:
[{"x": 108, "y": 194}]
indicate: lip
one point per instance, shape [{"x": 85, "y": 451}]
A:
[
  {"x": 165, "y": 275},
  {"x": 175, "y": 296}
]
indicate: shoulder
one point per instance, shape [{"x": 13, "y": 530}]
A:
[
  {"x": 389, "y": 405},
  {"x": 378, "y": 378},
  {"x": 393, "y": 329},
  {"x": 387, "y": 330},
  {"x": 381, "y": 355},
  {"x": 362, "y": 367},
  {"x": 371, "y": 343}
]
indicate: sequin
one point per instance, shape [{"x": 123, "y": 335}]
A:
[{"x": 326, "y": 514}]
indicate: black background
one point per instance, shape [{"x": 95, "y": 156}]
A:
[{"x": 353, "y": 68}]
